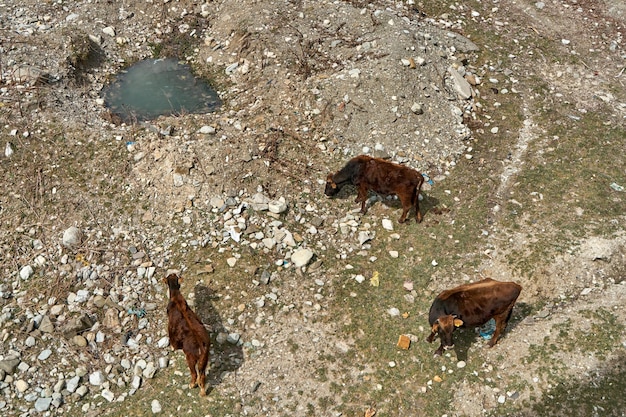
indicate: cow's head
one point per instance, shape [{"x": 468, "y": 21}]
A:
[
  {"x": 444, "y": 326},
  {"x": 331, "y": 187},
  {"x": 173, "y": 281}
]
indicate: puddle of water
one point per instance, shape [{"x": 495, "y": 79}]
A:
[{"x": 155, "y": 87}]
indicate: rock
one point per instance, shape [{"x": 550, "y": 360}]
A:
[
  {"x": 417, "y": 108},
  {"x": 460, "y": 84},
  {"x": 43, "y": 404},
  {"x": 301, "y": 257},
  {"x": 46, "y": 325},
  {"x": 365, "y": 236},
  {"x": 97, "y": 378},
  {"x": 72, "y": 383},
  {"x": 393, "y": 312},
  {"x": 26, "y": 272},
  {"x": 277, "y": 206},
  {"x": 45, "y": 354},
  {"x": 109, "y": 30},
  {"x": 156, "y": 406},
  {"x": 21, "y": 385},
  {"x": 9, "y": 364},
  {"x": 233, "y": 338},
  {"x": 136, "y": 383},
  {"x": 149, "y": 370},
  {"x": 107, "y": 395},
  {"x": 387, "y": 224},
  {"x": 71, "y": 237},
  {"x": 207, "y": 130},
  {"x": 77, "y": 325}
]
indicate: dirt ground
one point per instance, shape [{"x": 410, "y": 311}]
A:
[{"x": 305, "y": 85}]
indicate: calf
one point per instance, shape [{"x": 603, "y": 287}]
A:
[
  {"x": 472, "y": 305},
  {"x": 382, "y": 177},
  {"x": 186, "y": 332}
]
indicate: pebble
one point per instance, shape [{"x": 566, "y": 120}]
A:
[
  {"x": 43, "y": 404},
  {"x": 21, "y": 385},
  {"x": 71, "y": 237},
  {"x": 26, "y": 272},
  {"x": 45, "y": 354},
  {"x": 156, "y": 406},
  {"x": 301, "y": 257}
]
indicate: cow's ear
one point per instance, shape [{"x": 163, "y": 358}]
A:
[{"x": 458, "y": 322}]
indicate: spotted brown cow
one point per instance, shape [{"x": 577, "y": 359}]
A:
[
  {"x": 381, "y": 176},
  {"x": 186, "y": 332},
  {"x": 472, "y": 305}
]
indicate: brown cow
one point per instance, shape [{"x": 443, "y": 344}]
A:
[
  {"x": 472, "y": 305},
  {"x": 382, "y": 177},
  {"x": 186, "y": 332}
]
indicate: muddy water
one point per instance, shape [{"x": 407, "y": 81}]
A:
[{"x": 155, "y": 87}]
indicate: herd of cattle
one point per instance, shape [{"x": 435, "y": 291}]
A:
[{"x": 468, "y": 305}]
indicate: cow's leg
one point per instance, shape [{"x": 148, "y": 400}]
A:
[
  {"x": 406, "y": 206},
  {"x": 191, "y": 363},
  {"x": 416, "y": 204},
  {"x": 501, "y": 322},
  {"x": 202, "y": 364},
  {"x": 362, "y": 198},
  {"x": 439, "y": 350}
]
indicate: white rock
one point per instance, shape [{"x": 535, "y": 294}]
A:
[
  {"x": 387, "y": 224},
  {"x": 156, "y": 406},
  {"x": 460, "y": 364},
  {"x": 277, "y": 206},
  {"x": 72, "y": 383},
  {"x": 108, "y": 395},
  {"x": 393, "y": 253},
  {"x": 71, "y": 237},
  {"x": 231, "y": 261},
  {"x": 26, "y": 272},
  {"x": 359, "y": 278},
  {"x": 97, "y": 378},
  {"x": 136, "y": 383},
  {"x": 207, "y": 130},
  {"x": 460, "y": 84},
  {"x": 8, "y": 150},
  {"x": 364, "y": 236},
  {"x": 393, "y": 312},
  {"x": 301, "y": 257},
  {"x": 109, "y": 30},
  {"x": 163, "y": 342}
]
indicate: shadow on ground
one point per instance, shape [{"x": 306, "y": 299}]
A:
[{"x": 226, "y": 357}]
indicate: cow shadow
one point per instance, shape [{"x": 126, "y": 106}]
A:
[
  {"x": 465, "y": 337},
  {"x": 226, "y": 357}
]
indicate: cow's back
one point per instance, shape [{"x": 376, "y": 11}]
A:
[
  {"x": 477, "y": 302},
  {"x": 385, "y": 177}
]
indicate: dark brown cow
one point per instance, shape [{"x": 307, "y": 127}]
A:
[
  {"x": 187, "y": 332},
  {"x": 382, "y": 177},
  {"x": 472, "y": 305}
]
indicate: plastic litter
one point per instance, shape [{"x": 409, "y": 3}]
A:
[
  {"x": 487, "y": 330},
  {"x": 139, "y": 312},
  {"x": 617, "y": 187},
  {"x": 427, "y": 178}
]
